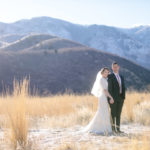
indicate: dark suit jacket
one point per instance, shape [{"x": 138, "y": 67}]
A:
[{"x": 113, "y": 87}]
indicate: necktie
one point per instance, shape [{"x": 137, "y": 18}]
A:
[{"x": 119, "y": 82}]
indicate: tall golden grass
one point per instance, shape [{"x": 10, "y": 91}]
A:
[
  {"x": 20, "y": 111},
  {"x": 136, "y": 108},
  {"x": 80, "y": 108},
  {"x": 17, "y": 113}
]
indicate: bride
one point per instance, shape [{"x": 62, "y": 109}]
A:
[{"x": 101, "y": 122}]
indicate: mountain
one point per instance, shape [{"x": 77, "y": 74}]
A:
[
  {"x": 131, "y": 43},
  {"x": 140, "y": 33},
  {"x": 2, "y": 44},
  {"x": 9, "y": 38},
  {"x": 26, "y": 42},
  {"x": 56, "y": 65}
]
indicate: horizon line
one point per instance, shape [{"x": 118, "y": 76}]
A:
[{"x": 132, "y": 26}]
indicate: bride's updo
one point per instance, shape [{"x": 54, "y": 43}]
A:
[{"x": 103, "y": 69}]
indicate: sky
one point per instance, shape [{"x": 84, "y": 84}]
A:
[{"x": 119, "y": 13}]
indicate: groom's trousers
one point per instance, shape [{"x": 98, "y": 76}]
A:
[{"x": 116, "y": 109}]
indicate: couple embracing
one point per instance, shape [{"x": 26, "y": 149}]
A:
[{"x": 109, "y": 88}]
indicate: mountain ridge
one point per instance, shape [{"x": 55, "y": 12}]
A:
[{"x": 132, "y": 43}]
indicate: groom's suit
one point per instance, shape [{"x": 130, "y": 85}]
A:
[{"x": 114, "y": 90}]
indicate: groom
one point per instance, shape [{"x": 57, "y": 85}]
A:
[{"x": 116, "y": 88}]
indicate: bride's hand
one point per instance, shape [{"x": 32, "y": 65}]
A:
[{"x": 111, "y": 100}]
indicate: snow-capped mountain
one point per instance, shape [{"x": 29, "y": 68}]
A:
[{"x": 130, "y": 43}]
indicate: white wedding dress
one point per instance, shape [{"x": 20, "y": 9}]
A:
[{"x": 101, "y": 122}]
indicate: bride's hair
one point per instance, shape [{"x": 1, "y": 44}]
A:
[{"x": 103, "y": 69}]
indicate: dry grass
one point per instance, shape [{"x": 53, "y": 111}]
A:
[
  {"x": 134, "y": 105},
  {"x": 21, "y": 111},
  {"x": 77, "y": 146},
  {"x": 133, "y": 144},
  {"x": 17, "y": 115},
  {"x": 137, "y": 144},
  {"x": 78, "y": 109}
]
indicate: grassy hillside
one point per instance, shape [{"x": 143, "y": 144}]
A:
[{"x": 55, "y": 65}]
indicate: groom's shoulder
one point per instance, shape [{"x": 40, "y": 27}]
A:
[
  {"x": 121, "y": 76},
  {"x": 110, "y": 75}
]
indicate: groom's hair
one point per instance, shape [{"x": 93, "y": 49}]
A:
[{"x": 115, "y": 63}]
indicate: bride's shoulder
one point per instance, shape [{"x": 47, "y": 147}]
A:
[{"x": 102, "y": 79}]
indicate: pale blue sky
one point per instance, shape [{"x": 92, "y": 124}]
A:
[{"x": 120, "y": 13}]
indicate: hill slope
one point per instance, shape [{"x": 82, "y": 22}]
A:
[
  {"x": 26, "y": 42},
  {"x": 73, "y": 66}
]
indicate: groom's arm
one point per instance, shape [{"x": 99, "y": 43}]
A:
[{"x": 123, "y": 88}]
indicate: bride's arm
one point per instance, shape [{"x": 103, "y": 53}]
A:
[
  {"x": 106, "y": 92},
  {"x": 108, "y": 95}
]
